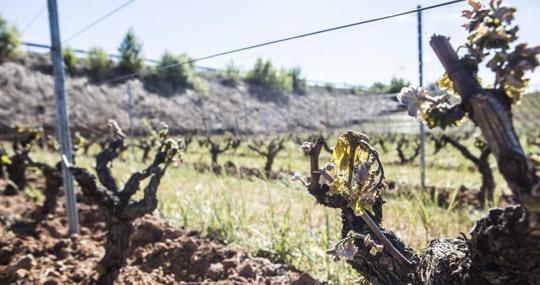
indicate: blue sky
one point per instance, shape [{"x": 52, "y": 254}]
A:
[{"x": 358, "y": 55}]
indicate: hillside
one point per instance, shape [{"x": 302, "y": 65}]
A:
[{"x": 26, "y": 97}]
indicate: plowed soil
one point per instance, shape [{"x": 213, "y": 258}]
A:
[{"x": 41, "y": 252}]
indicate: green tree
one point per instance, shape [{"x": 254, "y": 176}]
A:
[
  {"x": 178, "y": 73},
  {"x": 98, "y": 62},
  {"x": 130, "y": 53},
  {"x": 9, "y": 40},
  {"x": 378, "y": 87},
  {"x": 396, "y": 84},
  {"x": 70, "y": 60}
]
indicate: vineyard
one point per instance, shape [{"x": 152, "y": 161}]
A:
[{"x": 331, "y": 196}]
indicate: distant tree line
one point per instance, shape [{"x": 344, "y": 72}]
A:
[{"x": 176, "y": 70}]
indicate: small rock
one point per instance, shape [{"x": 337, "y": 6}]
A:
[
  {"x": 246, "y": 270},
  {"x": 238, "y": 280},
  {"x": 305, "y": 279},
  {"x": 24, "y": 262},
  {"x": 215, "y": 272},
  {"x": 269, "y": 270},
  {"x": 21, "y": 273},
  {"x": 229, "y": 263}
]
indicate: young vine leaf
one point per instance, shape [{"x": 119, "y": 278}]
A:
[{"x": 355, "y": 172}]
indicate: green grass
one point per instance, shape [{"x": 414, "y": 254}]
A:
[{"x": 281, "y": 220}]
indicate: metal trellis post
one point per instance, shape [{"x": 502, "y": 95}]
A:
[
  {"x": 62, "y": 116},
  {"x": 420, "y": 83},
  {"x": 130, "y": 114}
]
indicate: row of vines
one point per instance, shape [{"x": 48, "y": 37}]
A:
[{"x": 502, "y": 247}]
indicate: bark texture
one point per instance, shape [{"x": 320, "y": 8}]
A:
[
  {"x": 502, "y": 248},
  {"x": 118, "y": 204}
]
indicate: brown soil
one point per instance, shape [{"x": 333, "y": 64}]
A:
[{"x": 42, "y": 253}]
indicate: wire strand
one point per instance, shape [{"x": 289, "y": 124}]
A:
[
  {"x": 33, "y": 20},
  {"x": 102, "y": 18},
  {"x": 283, "y": 40}
]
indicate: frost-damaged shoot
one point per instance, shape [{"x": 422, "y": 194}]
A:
[
  {"x": 119, "y": 204},
  {"x": 353, "y": 182}
]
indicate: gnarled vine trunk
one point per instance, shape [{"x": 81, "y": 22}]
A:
[
  {"x": 16, "y": 171},
  {"x": 488, "y": 182},
  {"x": 116, "y": 249},
  {"x": 482, "y": 165},
  {"x": 53, "y": 183},
  {"x": 403, "y": 158},
  {"x": 117, "y": 204}
]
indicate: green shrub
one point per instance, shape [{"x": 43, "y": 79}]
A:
[
  {"x": 70, "y": 60},
  {"x": 98, "y": 63},
  {"x": 395, "y": 86},
  {"x": 9, "y": 40},
  {"x": 200, "y": 87},
  {"x": 231, "y": 75},
  {"x": 264, "y": 74},
  {"x": 298, "y": 83},
  {"x": 130, "y": 53},
  {"x": 283, "y": 81},
  {"x": 178, "y": 75}
]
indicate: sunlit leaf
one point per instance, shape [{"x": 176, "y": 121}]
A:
[
  {"x": 5, "y": 160},
  {"x": 340, "y": 154},
  {"x": 358, "y": 208},
  {"x": 445, "y": 84}
]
